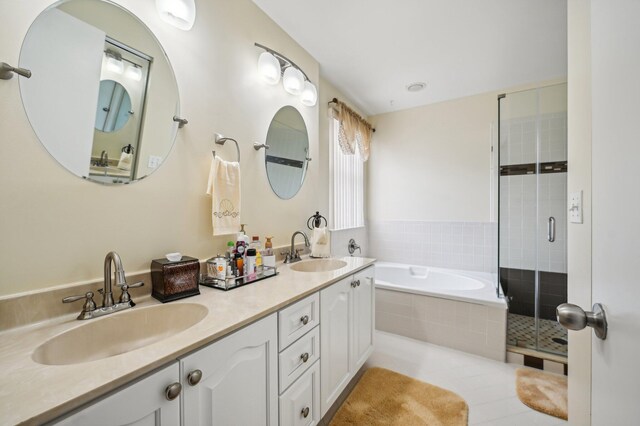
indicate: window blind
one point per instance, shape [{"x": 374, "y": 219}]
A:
[{"x": 347, "y": 186}]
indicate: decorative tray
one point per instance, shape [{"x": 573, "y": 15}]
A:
[{"x": 234, "y": 282}]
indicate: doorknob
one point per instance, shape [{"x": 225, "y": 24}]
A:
[{"x": 573, "y": 317}]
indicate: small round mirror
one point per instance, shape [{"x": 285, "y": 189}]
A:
[
  {"x": 287, "y": 158},
  {"x": 114, "y": 107},
  {"x": 102, "y": 95}
]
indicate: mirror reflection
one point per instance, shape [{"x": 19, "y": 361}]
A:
[
  {"x": 102, "y": 96},
  {"x": 287, "y": 159}
]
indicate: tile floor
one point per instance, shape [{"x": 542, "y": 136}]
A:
[
  {"x": 488, "y": 386},
  {"x": 521, "y": 332}
]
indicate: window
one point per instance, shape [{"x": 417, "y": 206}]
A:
[{"x": 347, "y": 184}]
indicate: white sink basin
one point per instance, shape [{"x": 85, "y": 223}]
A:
[
  {"x": 118, "y": 333},
  {"x": 318, "y": 265}
]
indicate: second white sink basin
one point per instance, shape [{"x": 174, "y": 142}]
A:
[
  {"x": 318, "y": 265},
  {"x": 118, "y": 333}
]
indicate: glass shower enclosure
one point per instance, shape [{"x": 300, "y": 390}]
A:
[{"x": 532, "y": 214}]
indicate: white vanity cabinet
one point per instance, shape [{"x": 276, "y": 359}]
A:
[
  {"x": 234, "y": 381},
  {"x": 346, "y": 332},
  {"x": 143, "y": 403}
]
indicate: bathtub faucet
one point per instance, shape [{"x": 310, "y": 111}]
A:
[{"x": 352, "y": 247}]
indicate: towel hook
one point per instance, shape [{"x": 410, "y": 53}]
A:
[{"x": 220, "y": 140}]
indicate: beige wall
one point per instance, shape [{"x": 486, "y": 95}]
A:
[
  {"x": 433, "y": 163},
  {"x": 579, "y": 178},
  {"x": 57, "y": 228}
]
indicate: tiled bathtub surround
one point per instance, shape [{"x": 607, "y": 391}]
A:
[
  {"x": 340, "y": 241},
  {"x": 469, "y": 327},
  {"x": 470, "y": 246}
]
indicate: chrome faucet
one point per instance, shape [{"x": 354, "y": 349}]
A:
[
  {"x": 104, "y": 159},
  {"x": 89, "y": 309},
  {"x": 293, "y": 255}
]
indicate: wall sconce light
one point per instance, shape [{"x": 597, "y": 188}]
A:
[
  {"x": 179, "y": 13},
  {"x": 272, "y": 65},
  {"x": 114, "y": 61},
  {"x": 134, "y": 72}
]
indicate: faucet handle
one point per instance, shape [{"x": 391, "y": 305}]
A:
[
  {"x": 125, "y": 296},
  {"x": 88, "y": 307}
]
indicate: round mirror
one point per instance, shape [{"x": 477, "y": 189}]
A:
[
  {"x": 114, "y": 106},
  {"x": 102, "y": 95},
  {"x": 287, "y": 158}
]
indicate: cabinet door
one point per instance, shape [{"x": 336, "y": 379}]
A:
[
  {"x": 363, "y": 317},
  {"x": 239, "y": 384},
  {"x": 141, "y": 404},
  {"x": 335, "y": 338},
  {"x": 300, "y": 404}
]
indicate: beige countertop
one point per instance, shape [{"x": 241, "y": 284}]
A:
[{"x": 33, "y": 393}]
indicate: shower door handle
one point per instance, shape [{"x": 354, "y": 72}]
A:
[{"x": 551, "y": 229}]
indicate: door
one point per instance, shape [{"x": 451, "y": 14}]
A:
[
  {"x": 335, "y": 339},
  {"x": 363, "y": 314},
  {"x": 237, "y": 381},
  {"x": 615, "y": 37},
  {"x": 143, "y": 403}
]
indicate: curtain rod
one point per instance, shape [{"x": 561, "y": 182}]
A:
[{"x": 335, "y": 101}]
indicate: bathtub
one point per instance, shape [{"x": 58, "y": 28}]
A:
[{"x": 452, "y": 308}]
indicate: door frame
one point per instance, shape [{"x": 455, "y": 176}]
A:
[{"x": 579, "y": 247}]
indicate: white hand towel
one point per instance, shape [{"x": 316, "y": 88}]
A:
[
  {"x": 224, "y": 188},
  {"x": 320, "y": 242},
  {"x": 125, "y": 161}
]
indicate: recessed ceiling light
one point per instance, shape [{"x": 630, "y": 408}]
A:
[{"x": 416, "y": 87}]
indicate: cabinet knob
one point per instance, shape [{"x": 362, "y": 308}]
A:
[
  {"x": 305, "y": 412},
  {"x": 353, "y": 284},
  {"x": 172, "y": 391},
  {"x": 194, "y": 377},
  {"x": 305, "y": 319},
  {"x": 358, "y": 283},
  {"x": 305, "y": 357}
]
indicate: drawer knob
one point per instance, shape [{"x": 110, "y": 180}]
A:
[
  {"x": 305, "y": 412},
  {"x": 172, "y": 391},
  {"x": 305, "y": 319},
  {"x": 194, "y": 377},
  {"x": 305, "y": 357}
]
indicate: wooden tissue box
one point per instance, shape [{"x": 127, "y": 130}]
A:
[{"x": 175, "y": 280}]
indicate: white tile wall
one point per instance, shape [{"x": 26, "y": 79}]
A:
[
  {"x": 476, "y": 329},
  {"x": 456, "y": 245},
  {"x": 519, "y": 139}
]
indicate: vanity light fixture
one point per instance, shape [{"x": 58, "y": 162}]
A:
[
  {"x": 114, "y": 61},
  {"x": 179, "y": 13},
  {"x": 272, "y": 65},
  {"x": 134, "y": 72}
]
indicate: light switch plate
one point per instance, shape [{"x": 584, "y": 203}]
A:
[
  {"x": 154, "y": 161},
  {"x": 575, "y": 207}
]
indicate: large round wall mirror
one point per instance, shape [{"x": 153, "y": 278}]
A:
[
  {"x": 287, "y": 158},
  {"x": 102, "y": 95}
]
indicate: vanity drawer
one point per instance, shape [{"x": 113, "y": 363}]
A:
[
  {"x": 298, "y": 357},
  {"x": 295, "y": 320},
  {"x": 300, "y": 404}
]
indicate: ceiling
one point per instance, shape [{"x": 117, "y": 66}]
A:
[{"x": 372, "y": 49}]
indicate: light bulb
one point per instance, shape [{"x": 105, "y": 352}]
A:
[
  {"x": 179, "y": 13},
  {"x": 115, "y": 65},
  {"x": 309, "y": 94},
  {"x": 269, "y": 68},
  {"x": 293, "y": 80},
  {"x": 134, "y": 72}
]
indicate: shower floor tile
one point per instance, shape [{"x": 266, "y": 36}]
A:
[{"x": 521, "y": 331}]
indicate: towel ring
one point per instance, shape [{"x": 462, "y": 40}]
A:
[
  {"x": 315, "y": 221},
  {"x": 220, "y": 140}
]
